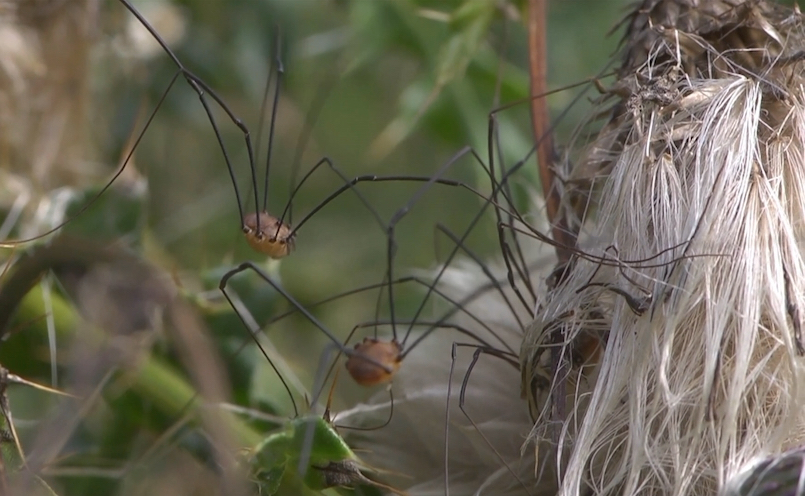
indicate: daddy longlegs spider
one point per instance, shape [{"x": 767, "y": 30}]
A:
[
  {"x": 373, "y": 362},
  {"x": 265, "y": 233}
]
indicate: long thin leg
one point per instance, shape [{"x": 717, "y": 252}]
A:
[
  {"x": 348, "y": 185},
  {"x": 403, "y": 211},
  {"x": 10, "y": 243},
  {"x": 310, "y": 317},
  {"x": 201, "y": 88},
  {"x": 435, "y": 325},
  {"x": 508, "y": 358},
  {"x": 504, "y": 248},
  {"x": 457, "y": 306},
  {"x": 399, "y": 215},
  {"x": 508, "y": 194},
  {"x": 310, "y": 119},
  {"x": 610, "y": 262},
  {"x": 485, "y": 270},
  {"x": 494, "y": 284},
  {"x": 507, "y": 190},
  {"x": 459, "y": 244},
  {"x": 469, "y": 298},
  {"x": 465, "y": 382},
  {"x": 507, "y": 174},
  {"x": 280, "y": 72},
  {"x": 373, "y": 179},
  {"x": 253, "y": 334}
]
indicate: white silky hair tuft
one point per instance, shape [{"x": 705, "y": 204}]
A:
[
  {"x": 699, "y": 212},
  {"x": 709, "y": 374}
]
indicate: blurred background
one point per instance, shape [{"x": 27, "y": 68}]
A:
[{"x": 386, "y": 87}]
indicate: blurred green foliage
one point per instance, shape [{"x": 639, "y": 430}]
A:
[{"x": 397, "y": 87}]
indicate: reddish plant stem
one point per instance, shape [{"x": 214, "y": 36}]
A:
[{"x": 538, "y": 68}]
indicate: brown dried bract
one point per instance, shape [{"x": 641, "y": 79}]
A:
[
  {"x": 375, "y": 362},
  {"x": 274, "y": 238}
]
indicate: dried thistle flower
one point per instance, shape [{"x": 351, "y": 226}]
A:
[{"x": 696, "y": 214}]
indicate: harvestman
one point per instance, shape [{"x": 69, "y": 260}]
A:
[
  {"x": 266, "y": 233},
  {"x": 374, "y": 361}
]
